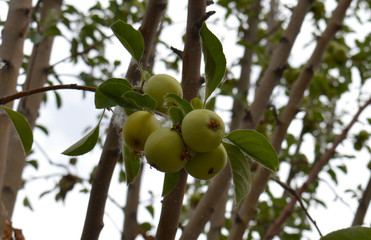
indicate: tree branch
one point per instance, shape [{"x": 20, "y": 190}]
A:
[
  {"x": 298, "y": 198},
  {"x": 363, "y": 205},
  {"x": 112, "y": 147},
  {"x": 172, "y": 203},
  {"x": 10, "y": 98},
  {"x": 85, "y": 51},
  {"x": 243, "y": 85},
  {"x": 261, "y": 178},
  {"x": 277, "y": 224},
  {"x": 131, "y": 208}
]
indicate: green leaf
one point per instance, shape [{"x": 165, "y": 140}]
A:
[
  {"x": 85, "y": 144},
  {"x": 131, "y": 38},
  {"x": 176, "y": 115},
  {"x": 58, "y": 99},
  {"x": 145, "y": 227},
  {"x": 122, "y": 176},
  {"x": 142, "y": 102},
  {"x": 215, "y": 62},
  {"x": 240, "y": 171},
  {"x": 211, "y": 104},
  {"x": 352, "y": 233},
  {"x": 132, "y": 164},
  {"x": 256, "y": 146},
  {"x": 101, "y": 101},
  {"x": 22, "y": 127},
  {"x": 53, "y": 31},
  {"x": 43, "y": 129},
  {"x": 33, "y": 163},
  {"x": 183, "y": 104},
  {"x": 170, "y": 181},
  {"x": 36, "y": 37},
  {"x": 151, "y": 210},
  {"x": 26, "y": 203},
  {"x": 109, "y": 93},
  {"x": 196, "y": 103}
]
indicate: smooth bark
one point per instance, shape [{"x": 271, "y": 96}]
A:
[
  {"x": 112, "y": 146},
  {"x": 191, "y": 56},
  {"x": 131, "y": 208},
  {"x": 11, "y": 57},
  {"x": 37, "y": 72},
  {"x": 363, "y": 205},
  {"x": 243, "y": 84},
  {"x": 277, "y": 224},
  {"x": 248, "y": 208},
  {"x": 217, "y": 219}
]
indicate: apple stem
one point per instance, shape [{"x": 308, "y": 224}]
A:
[{"x": 143, "y": 78}]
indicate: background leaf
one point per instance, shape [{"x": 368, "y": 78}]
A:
[
  {"x": 240, "y": 172},
  {"x": 131, "y": 38},
  {"x": 22, "y": 127},
  {"x": 170, "y": 181},
  {"x": 352, "y": 233},
  {"x": 256, "y": 146},
  {"x": 132, "y": 164},
  {"x": 215, "y": 62}
]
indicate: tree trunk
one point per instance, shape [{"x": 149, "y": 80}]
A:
[
  {"x": 131, "y": 208},
  {"x": 172, "y": 203},
  {"x": 243, "y": 85},
  {"x": 11, "y": 56},
  {"x": 37, "y": 72},
  {"x": 112, "y": 147},
  {"x": 217, "y": 219}
]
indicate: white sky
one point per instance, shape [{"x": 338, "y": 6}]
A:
[{"x": 57, "y": 220}]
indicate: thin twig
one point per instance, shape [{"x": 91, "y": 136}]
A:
[
  {"x": 10, "y": 98},
  {"x": 178, "y": 52},
  {"x": 313, "y": 175},
  {"x": 85, "y": 51},
  {"x": 297, "y": 196}
]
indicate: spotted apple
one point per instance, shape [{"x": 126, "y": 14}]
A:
[
  {"x": 203, "y": 130},
  {"x": 164, "y": 150},
  {"x": 137, "y": 128},
  {"x": 158, "y": 86},
  {"x": 207, "y": 165}
]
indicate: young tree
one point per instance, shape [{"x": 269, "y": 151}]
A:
[{"x": 283, "y": 109}]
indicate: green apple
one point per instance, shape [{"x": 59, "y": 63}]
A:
[
  {"x": 158, "y": 86},
  {"x": 207, "y": 165},
  {"x": 164, "y": 150},
  {"x": 137, "y": 127},
  {"x": 202, "y": 130}
]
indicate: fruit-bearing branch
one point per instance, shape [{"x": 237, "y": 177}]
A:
[{"x": 18, "y": 95}]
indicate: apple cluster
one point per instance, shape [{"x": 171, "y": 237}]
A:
[{"x": 194, "y": 144}]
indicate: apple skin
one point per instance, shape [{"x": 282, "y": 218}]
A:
[
  {"x": 158, "y": 86},
  {"x": 202, "y": 130},
  {"x": 207, "y": 165},
  {"x": 164, "y": 150},
  {"x": 137, "y": 127}
]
